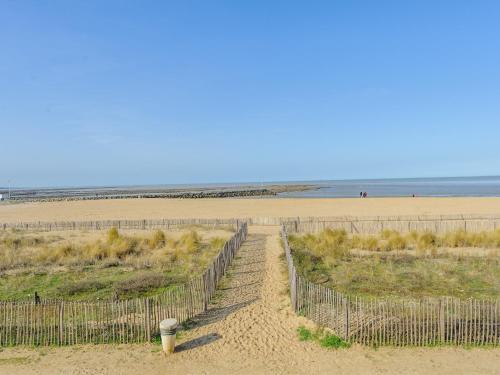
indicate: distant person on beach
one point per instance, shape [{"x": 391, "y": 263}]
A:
[
  {"x": 365, "y": 194},
  {"x": 361, "y": 194}
]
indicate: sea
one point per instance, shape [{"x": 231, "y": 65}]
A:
[
  {"x": 395, "y": 187},
  {"x": 404, "y": 187}
]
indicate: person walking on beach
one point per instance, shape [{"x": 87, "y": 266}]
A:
[
  {"x": 365, "y": 194},
  {"x": 361, "y": 194}
]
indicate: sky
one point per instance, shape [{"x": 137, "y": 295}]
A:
[{"x": 158, "y": 92}]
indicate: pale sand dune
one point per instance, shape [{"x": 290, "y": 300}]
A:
[
  {"x": 228, "y": 208},
  {"x": 249, "y": 330}
]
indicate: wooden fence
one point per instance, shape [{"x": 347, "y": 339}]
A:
[
  {"x": 378, "y": 321},
  {"x": 402, "y": 224},
  {"x": 365, "y": 225},
  {"x": 127, "y": 321}
]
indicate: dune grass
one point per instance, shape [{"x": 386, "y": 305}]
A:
[
  {"x": 115, "y": 265},
  {"x": 401, "y": 266}
]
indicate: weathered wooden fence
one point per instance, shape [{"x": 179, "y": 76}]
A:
[
  {"x": 378, "y": 321},
  {"x": 126, "y": 321},
  {"x": 365, "y": 225},
  {"x": 119, "y": 224},
  {"x": 402, "y": 224}
]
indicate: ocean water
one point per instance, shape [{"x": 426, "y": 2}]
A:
[{"x": 421, "y": 187}]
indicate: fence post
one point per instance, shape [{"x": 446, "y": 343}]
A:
[
  {"x": 346, "y": 318},
  {"x": 61, "y": 323},
  {"x": 205, "y": 291},
  {"x": 441, "y": 321},
  {"x": 148, "y": 319}
]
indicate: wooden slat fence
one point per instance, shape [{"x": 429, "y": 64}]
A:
[
  {"x": 366, "y": 225},
  {"x": 378, "y": 321},
  {"x": 53, "y": 322}
]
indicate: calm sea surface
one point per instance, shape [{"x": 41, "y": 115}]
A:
[{"x": 424, "y": 187}]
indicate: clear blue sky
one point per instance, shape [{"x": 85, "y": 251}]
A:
[{"x": 145, "y": 92}]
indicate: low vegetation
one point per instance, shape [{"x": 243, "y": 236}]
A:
[
  {"x": 114, "y": 265},
  {"x": 394, "y": 265},
  {"x": 322, "y": 337}
]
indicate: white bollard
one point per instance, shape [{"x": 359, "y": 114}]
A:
[{"x": 168, "y": 328}]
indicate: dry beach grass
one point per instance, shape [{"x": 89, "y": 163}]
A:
[
  {"x": 395, "y": 265},
  {"x": 80, "y": 265}
]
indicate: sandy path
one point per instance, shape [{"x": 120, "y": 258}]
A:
[
  {"x": 259, "y": 327},
  {"x": 251, "y": 207},
  {"x": 250, "y": 329}
]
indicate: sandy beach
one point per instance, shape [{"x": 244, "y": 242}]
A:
[{"x": 233, "y": 208}]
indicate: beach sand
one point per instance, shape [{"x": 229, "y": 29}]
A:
[{"x": 233, "y": 208}]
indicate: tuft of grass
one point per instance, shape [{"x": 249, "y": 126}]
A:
[
  {"x": 394, "y": 241},
  {"x": 397, "y": 242},
  {"x": 322, "y": 337},
  {"x": 188, "y": 243},
  {"x": 426, "y": 241},
  {"x": 157, "y": 240},
  {"x": 113, "y": 235},
  {"x": 304, "y": 334},
  {"x": 388, "y": 233},
  {"x": 458, "y": 238},
  {"x": 332, "y": 341},
  {"x": 370, "y": 243}
]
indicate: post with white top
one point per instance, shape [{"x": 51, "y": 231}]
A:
[{"x": 168, "y": 328}]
